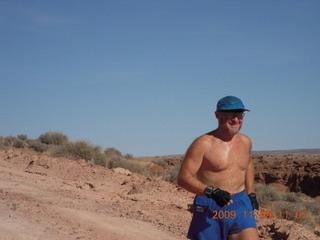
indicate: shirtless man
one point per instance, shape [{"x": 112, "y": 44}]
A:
[{"x": 219, "y": 169}]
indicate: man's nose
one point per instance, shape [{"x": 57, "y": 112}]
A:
[{"x": 236, "y": 118}]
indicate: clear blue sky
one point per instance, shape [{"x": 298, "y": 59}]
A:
[{"x": 144, "y": 76}]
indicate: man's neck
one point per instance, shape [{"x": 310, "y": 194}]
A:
[{"x": 223, "y": 135}]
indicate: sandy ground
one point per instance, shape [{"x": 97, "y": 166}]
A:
[
  {"x": 55, "y": 198},
  {"x": 45, "y": 198}
]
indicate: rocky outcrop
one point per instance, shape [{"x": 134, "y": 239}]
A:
[
  {"x": 299, "y": 173},
  {"x": 276, "y": 229}
]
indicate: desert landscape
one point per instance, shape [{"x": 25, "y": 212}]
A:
[{"x": 46, "y": 197}]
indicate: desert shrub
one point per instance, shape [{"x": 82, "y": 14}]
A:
[
  {"x": 128, "y": 164},
  {"x": 2, "y": 146},
  {"x": 128, "y": 156},
  {"x": 37, "y": 145},
  {"x": 265, "y": 194},
  {"x": 313, "y": 208},
  {"x": 290, "y": 197},
  {"x": 297, "y": 212},
  {"x": 100, "y": 160},
  {"x": 161, "y": 163},
  {"x": 80, "y": 150},
  {"x": 9, "y": 141},
  {"x": 22, "y": 137},
  {"x": 115, "y": 159},
  {"x": 171, "y": 174},
  {"x": 19, "y": 143},
  {"x": 113, "y": 153},
  {"x": 54, "y": 138}
]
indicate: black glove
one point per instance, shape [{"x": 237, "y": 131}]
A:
[
  {"x": 221, "y": 197},
  {"x": 254, "y": 201}
]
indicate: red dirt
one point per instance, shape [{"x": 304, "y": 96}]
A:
[{"x": 57, "y": 198}]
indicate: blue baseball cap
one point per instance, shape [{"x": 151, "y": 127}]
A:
[{"x": 230, "y": 103}]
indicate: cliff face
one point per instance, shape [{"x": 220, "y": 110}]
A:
[
  {"x": 299, "y": 173},
  {"x": 295, "y": 172}
]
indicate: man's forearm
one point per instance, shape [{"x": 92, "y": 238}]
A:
[
  {"x": 249, "y": 181},
  {"x": 191, "y": 184}
]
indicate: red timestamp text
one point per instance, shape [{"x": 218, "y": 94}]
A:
[{"x": 262, "y": 214}]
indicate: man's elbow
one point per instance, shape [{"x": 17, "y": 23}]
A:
[{"x": 180, "y": 179}]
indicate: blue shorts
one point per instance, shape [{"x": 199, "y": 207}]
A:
[{"x": 210, "y": 221}]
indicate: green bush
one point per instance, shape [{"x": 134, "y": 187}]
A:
[
  {"x": 54, "y": 138},
  {"x": 80, "y": 150}
]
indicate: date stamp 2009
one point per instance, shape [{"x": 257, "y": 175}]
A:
[{"x": 261, "y": 214}]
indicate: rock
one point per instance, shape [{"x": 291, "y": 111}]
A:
[
  {"x": 156, "y": 169},
  {"x": 124, "y": 182},
  {"x": 85, "y": 186},
  {"x": 298, "y": 174},
  {"x": 82, "y": 162},
  {"x": 135, "y": 189},
  {"x": 122, "y": 171},
  {"x": 317, "y": 230},
  {"x": 270, "y": 229}
]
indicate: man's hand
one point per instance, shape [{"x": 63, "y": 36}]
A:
[
  {"x": 254, "y": 201},
  {"x": 221, "y": 197}
]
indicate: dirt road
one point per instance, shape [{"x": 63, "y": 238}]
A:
[{"x": 55, "y": 198}]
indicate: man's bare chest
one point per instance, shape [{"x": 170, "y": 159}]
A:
[{"x": 223, "y": 159}]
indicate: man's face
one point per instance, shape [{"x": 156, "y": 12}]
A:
[{"x": 230, "y": 121}]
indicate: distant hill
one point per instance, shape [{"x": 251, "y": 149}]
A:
[
  {"x": 311, "y": 151},
  {"x": 314, "y": 151}
]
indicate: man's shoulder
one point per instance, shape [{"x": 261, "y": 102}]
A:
[
  {"x": 243, "y": 136},
  {"x": 199, "y": 145},
  {"x": 204, "y": 139},
  {"x": 245, "y": 139}
]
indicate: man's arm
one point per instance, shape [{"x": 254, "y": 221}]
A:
[
  {"x": 249, "y": 177},
  {"x": 188, "y": 171},
  {"x": 190, "y": 166},
  {"x": 249, "y": 183}
]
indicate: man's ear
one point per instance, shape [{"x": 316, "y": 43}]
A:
[{"x": 216, "y": 114}]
